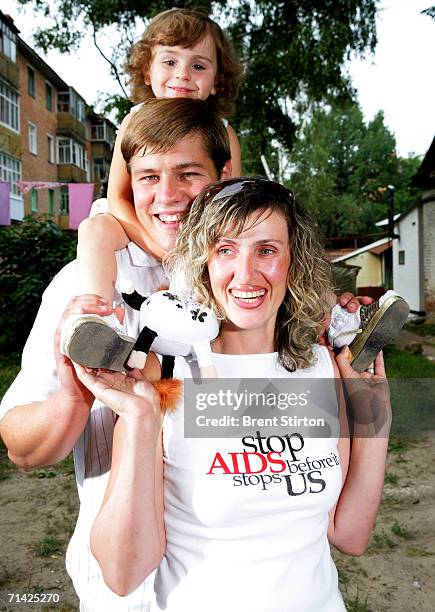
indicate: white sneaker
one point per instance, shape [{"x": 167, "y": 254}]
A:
[
  {"x": 96, "y": 342},
  {"x": 368, "y": 330}
]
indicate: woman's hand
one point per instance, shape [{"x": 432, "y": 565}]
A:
[
  {"x": 130, "y": 396},
  {"x": 368, "y": 397}
]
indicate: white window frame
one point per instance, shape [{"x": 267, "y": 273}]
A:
[
  {"x": 10, "y": 171},
  {"x": 9, "y": 107},
  {"x": 50, "y": 149},
  {"x": 48, "y": 84},
  {"x": 31, "y": 68},
  {"x": 8, "y": 42},
  {"x": 69, "y": 151},
  {"x": 33, "y": 138}
]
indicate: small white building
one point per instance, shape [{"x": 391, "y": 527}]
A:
[
  {"x": 414, "y": 250},
  {"x": 408, "y": 265}
]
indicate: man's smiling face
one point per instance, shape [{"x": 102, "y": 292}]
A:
[{"x": 164, "y": 185}]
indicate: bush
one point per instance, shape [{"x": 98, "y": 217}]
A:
[{"x": 31, "y": 253}]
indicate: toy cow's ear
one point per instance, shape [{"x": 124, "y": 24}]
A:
[{"x": 134, "y": 300}]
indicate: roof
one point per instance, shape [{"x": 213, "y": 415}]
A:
[
  {"x": 384, "y": 222},
  {"x": 333, "y": 254},
  {"x": 425, "y": 175},
  {"x": 42, "y": 66},
  {"x": 7, "y": 19},
  {"x": 372, "y": 248}
]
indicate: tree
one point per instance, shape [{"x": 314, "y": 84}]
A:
[
  {"x": 341, "y": 166},
  {"x": 294, "y": 51},
  {"x": 44, "y": 249}
]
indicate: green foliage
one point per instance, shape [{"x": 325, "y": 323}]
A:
[
  {"x": 30, "y": 255},
  {"x": 47, "y": 546},
  {"x": 402, "y": 531},
  {"x": 294, "y": 51},
  {"x": 341, "y": 167}
]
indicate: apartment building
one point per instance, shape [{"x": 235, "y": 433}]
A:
[
  {"x": 47, "y": 131},
  {"x": 10, "y": 123}
]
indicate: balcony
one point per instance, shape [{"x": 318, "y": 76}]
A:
[
  {"x": 9, "y": 70},
  {"x": 67, "y": 124},
  {"x": 71, "y": 173}
]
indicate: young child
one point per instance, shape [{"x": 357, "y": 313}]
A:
[{"x": 182, "y": 53}]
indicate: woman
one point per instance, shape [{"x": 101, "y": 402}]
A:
[{"x": 221, "y": 539}]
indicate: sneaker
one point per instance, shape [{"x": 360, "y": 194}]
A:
[
  {"x": 95, "y": 342},
  {"x": 368, "y": 330}
]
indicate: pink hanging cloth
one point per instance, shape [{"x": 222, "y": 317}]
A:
[{"x": 80, "y": 201}]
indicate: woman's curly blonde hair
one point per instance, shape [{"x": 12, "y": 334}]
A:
[
  {"x": 185, "y": 27},
  {"x": 309, "y": 284}
]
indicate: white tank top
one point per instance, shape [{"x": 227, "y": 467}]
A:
[{"x": 236, "y": 543}]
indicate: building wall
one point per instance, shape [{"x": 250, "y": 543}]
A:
[
  {"x": 407, "y": 275},
  {"x": 428, "y": 217},
  {"x": 33, "y": 109},
  {"x": 370, "y": 274}
]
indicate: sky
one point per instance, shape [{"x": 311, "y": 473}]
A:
[{"x": 398, "y": 78}]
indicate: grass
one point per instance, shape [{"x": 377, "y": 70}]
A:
[
  {"x": 402, "y": 532},
  {"x": 401, "y": 364},
  {"x": 355, "y": 604},
  {"x": 47, "y": 546},
  {"x": 380, "y": 541},
  {"x": 9, "y": 368},
  {"x": 424, "y": 329},
  {"x": 391, "y": 478}
]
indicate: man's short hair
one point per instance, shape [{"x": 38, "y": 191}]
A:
[{"x": 162, "y": 122}]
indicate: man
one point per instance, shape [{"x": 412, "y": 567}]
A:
[{"x": 47, "y": 412}]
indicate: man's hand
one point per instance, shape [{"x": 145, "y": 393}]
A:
[
  {"x": 351, "y": 302},
  {"x": 346, "y": 300}
]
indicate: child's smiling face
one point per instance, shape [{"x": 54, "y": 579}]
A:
[{"x": 185, "y": 72}]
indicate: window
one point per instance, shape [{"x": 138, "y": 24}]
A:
[
  {"x": 9, "y": 107},
  {"x": 63, "y": 201},
  {"x": 48, "y": 97},
  {"x": 98, "y": 132},
  {"x": 401, "y": 258},
  {"x": 71, "y": 152},
  {"x": 50, "y": 149},
  {"x": 33, "y": 138},
  {"x": 100, "y": 168},
  {"x": 10, "y": 170},
  {"x": 30, "y": 81},
  {"x": 51, "y": 202},
  {"x": 69, "y": 102},
  {"x": 33, "y": 200},
  {"x": 8, "y": 44}
]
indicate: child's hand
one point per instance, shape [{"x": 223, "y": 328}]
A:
[{"x": 130, "y": 398}]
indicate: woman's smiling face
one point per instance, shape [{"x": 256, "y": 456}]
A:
[{"x": 248, "y": 274}]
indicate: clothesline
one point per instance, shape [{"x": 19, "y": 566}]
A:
[
  {"x": 26, "y": 186},
  {"x": 80, "y": 196}
]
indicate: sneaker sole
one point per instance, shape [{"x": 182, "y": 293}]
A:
[
  {"x": 381, "y": 330},
  {"x": 96, "y": 345}
]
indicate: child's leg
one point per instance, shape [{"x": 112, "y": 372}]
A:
[{"x": 98, "y": 239}]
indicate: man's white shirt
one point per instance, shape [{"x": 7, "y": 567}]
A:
[{"x": 37, "y": 380}]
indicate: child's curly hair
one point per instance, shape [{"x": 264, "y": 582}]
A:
[{"x": 185, "y": 27}]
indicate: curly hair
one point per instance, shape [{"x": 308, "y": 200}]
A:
[
  {"x": 185, "y": 27},
  {"x": 309, "y": 281}
]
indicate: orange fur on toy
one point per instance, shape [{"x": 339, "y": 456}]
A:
[{"x": 170, "y": 391}]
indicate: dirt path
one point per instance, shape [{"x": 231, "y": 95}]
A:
[{"x": 38, "y": 514}]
